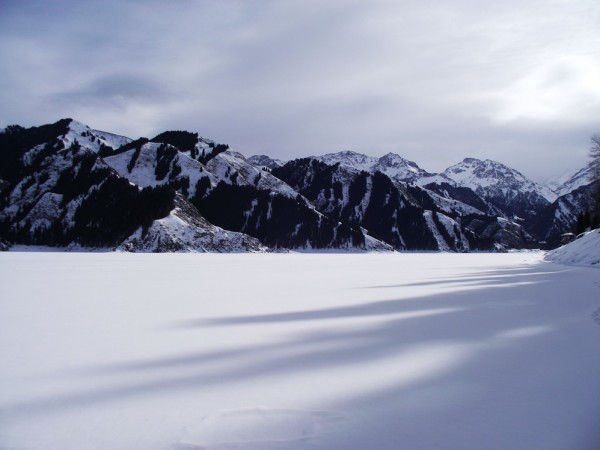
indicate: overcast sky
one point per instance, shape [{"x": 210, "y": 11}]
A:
[{"x": 517, "y": 81}]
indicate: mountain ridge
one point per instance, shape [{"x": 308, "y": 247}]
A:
[{"x": 52, "y": 175}]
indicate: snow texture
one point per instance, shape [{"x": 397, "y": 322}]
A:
[
  {"x": 492, "y": 178},
  {"x": 295, "y": 351},
  {"x": 570, "y": 181},
  {"x": 448, "y": 204},
  {"x": 583, "y": 251},
  {"x": 441, "y": 242},
  {"x": 185, "y": 230},
  {"x": 142, "y": 173},
  {"x": 92, "y": 139},
  {"x": 391, "y": 164},
  {"x": 264, "y": 161},
  {"x": 45, "y": 211},
  {"x": 228, "y": 163}
]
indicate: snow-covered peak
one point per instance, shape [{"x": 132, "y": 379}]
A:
[
  {"x": 486, "y": 176},
  {"x": 265, "y": 161},
  {"x": 391, "y": 164},
  {"x": 231, "y": 167},
  {"x": 481, "y": 172},
  {"x": 398, "y": 168},
  {"x": 571, "y": 181},
  {"x": 394, "y": 160},
  {"x": 92, "y": 139},
  {"x": 111, "y": 140},
  {"x": 349, "y": 158},
  {"x": 140, "y": 167}
]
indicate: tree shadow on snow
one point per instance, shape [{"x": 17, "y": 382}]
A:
[{"x": 492, "y": 326}]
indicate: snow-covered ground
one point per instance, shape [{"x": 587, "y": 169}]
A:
[
  {"x": 294, "y": 351},
  {"x": 584, "y": 251}
]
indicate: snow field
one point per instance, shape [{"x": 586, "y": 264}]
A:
[{"x": 294, "y": 351}]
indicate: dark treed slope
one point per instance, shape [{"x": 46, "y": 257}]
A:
[
  {"x": 56, "y": 195},
  {"x": 64, "y": 184}
]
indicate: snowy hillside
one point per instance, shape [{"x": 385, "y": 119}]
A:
[
  {"x": 483, "y": 189},
  {"x": 584, "y": 251},
  {"x": 391, "y": 212},
  {"x": 505, "y": 187},
  {"x": 185, "y": 230},
  {"x": 92, "y": 139},
  {"x": 490, "y": 175},
  {"x": 574, "y": 180},
  {"x": 561, "y": 216},
  {"x": 391, "y": 164},
  {"x": 265, "y": 161},
  {"x": 230, "y": 162},
  {"x": 67, "y": 184},
  {"x": 139, "y": 166},
  {"x": 63, "y": 185},
  {"x": 297, "y": 351}
]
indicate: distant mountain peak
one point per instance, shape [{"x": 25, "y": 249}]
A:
[
  {"x": 393, "y": 165},
  {"x": 58, "y": 183},
  {"x": 571, "y": 180},
  {"x": 395, "y": 160},
  {"x": 348, "y": 158},
  {"x": 507, "y": 188},
  {"x": 265, "y": 161}
]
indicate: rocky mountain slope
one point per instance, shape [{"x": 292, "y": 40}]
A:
[
  {"x": 561, "y": 215},
  {"x": 505, "y": 188},
  {"x": 404, "y": 216},
  {"x": 392, "y": 165},
  {"x": 66, "y": 184}
]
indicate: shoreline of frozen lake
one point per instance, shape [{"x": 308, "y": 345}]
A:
[{"x": 300, "y": 350}]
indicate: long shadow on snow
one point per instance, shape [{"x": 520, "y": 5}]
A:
[
  {"x": 385, "y": 307},
  {"x": 488, "y": 277},
  {"x": 406, "y": 323}
]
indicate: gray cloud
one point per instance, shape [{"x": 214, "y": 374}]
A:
[
  {"x": 119, "y": 87},
  {"x": 518, "y": 82}
]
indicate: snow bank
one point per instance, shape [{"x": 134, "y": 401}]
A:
[{"x": 584, "y": 251}]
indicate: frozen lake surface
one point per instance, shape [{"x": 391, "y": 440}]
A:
[{"x": 294, "y": 351}]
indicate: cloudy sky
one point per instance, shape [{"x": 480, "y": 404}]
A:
[{"x": 517, "y": 81}]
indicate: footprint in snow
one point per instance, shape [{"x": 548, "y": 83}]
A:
[{"x": 257, "y": 428}]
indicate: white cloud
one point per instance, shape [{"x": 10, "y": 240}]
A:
[
  {"x": 564, "y": 90},
  {"x": 431, "y": 80}
]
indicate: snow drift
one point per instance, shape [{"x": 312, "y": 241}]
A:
[{"x": 584, "y": 251}]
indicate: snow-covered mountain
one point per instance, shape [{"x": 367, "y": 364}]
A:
[
  {"x": 391, "y": 164},
  {"x": 561, "y": 216},
  {"x": 265, "y": 161},
  {"x": 463, "y": 200},
  {"x": 185, "y": 230},
  {"x": 258, "y": 204},
  {"x": 58, "y": 192},
  {"x": 349, "y": 195},
  {"x": 470, "y": 187},
  {"x": 571, "y": 181},
  {"x": 504, "y": 187},
  {"x": 90, "y": 139},
  {"x": 405, "y": 216},
  {"x": 67, "y": 184}
]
